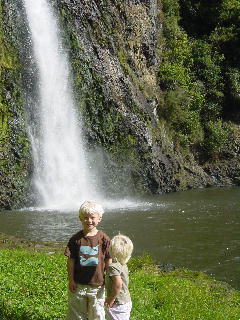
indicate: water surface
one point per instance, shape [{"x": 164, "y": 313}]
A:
[{"x": 197, "y": 229}]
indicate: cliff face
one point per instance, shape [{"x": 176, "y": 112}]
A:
[
  {"x": 112, "y": 50},
  {"x": 115, "y": 51},
  {"x": 115, "y": 54}
]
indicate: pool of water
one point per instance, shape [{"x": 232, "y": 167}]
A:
[{"x": 197, "y": 229}]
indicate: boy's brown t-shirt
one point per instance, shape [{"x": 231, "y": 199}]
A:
[{"x": 89, "y": 253}]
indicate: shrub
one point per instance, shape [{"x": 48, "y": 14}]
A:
[
  {"x": 216, "y": 135},
  {"x": 192, "y": 80}
]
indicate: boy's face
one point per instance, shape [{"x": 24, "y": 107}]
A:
[{"x": 89, "y": 221}]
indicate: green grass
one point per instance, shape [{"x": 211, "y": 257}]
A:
[
  {"x": 180, "y": 294},
  {"x": 33, "y": 285}
]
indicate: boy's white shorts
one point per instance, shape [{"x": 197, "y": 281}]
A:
[
  {"x": 119, "y": 311},
  {"x": 87, "y": 303}
]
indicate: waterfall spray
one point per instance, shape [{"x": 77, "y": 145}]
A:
[{"x": 61, "y": 176}]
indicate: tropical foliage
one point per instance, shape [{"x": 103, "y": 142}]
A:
[{"x": 200, "y": 70}]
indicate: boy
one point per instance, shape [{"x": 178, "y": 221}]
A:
[
  {"x": 118, "y": 302},
  {"x": 88, "y": 256}
]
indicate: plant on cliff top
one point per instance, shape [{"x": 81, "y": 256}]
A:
[{"x": 190, "y": 77}]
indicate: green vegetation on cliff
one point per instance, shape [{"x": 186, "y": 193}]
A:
[
  {"x": 33, "y": 284},
  {"x": 14, "y": 146},
  {"x": 193, "y": 74}
]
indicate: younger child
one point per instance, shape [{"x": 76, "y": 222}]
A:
[
  {"x": 88, "y": 255},
  {"x": 118, "y": 302}
]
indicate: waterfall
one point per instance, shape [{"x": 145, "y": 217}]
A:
[{"x": 61, "y": 176}]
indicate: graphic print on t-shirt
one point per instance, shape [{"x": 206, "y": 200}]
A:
[{"x": 86, "y": 253}]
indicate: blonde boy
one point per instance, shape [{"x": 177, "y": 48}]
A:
[
  {"x": 118, "y": 302},
  {"x": 88, "y": 255}
]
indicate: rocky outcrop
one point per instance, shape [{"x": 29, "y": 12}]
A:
[{"x": 113, "y": 50}]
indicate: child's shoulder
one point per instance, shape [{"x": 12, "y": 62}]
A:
[
  {"x": 115, "y": 267},
  {"x": 76, "y": 236},
  {"x": 103, "y": 235},
  {"x": 116, "y": 264}
]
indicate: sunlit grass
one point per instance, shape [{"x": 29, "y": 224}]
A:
[
  {"x": 180, "y": 294},
  {"x": 33, "y": 286}
]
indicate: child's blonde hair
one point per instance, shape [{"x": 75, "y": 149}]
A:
[
  {"x": 91, "y": 207},
  {"x": 121, "y": 248}
]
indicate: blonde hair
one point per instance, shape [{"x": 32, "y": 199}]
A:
[
  {"x": 91, "y": 207},
  {"x": 121, "y": 248}
]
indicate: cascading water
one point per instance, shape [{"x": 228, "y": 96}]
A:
[{"x": 61, "y": 175}]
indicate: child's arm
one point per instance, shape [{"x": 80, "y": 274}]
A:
[
  {"x": 70, "y": 270},
  {"x": 116, "y": 287},
  {"x": 107, "y": 261}
]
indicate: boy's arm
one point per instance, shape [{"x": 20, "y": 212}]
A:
[
  {"x": 70, "y": 270},
  {"x": 107, "y": 259},
  {"x": 116, "y": 287}
]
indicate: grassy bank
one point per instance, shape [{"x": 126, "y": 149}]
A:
[{"x": 33, "y": 286}]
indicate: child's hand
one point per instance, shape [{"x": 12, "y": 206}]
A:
[
  {"x": 72, "y": 286},
  {"x": 109, "y": 302}
]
